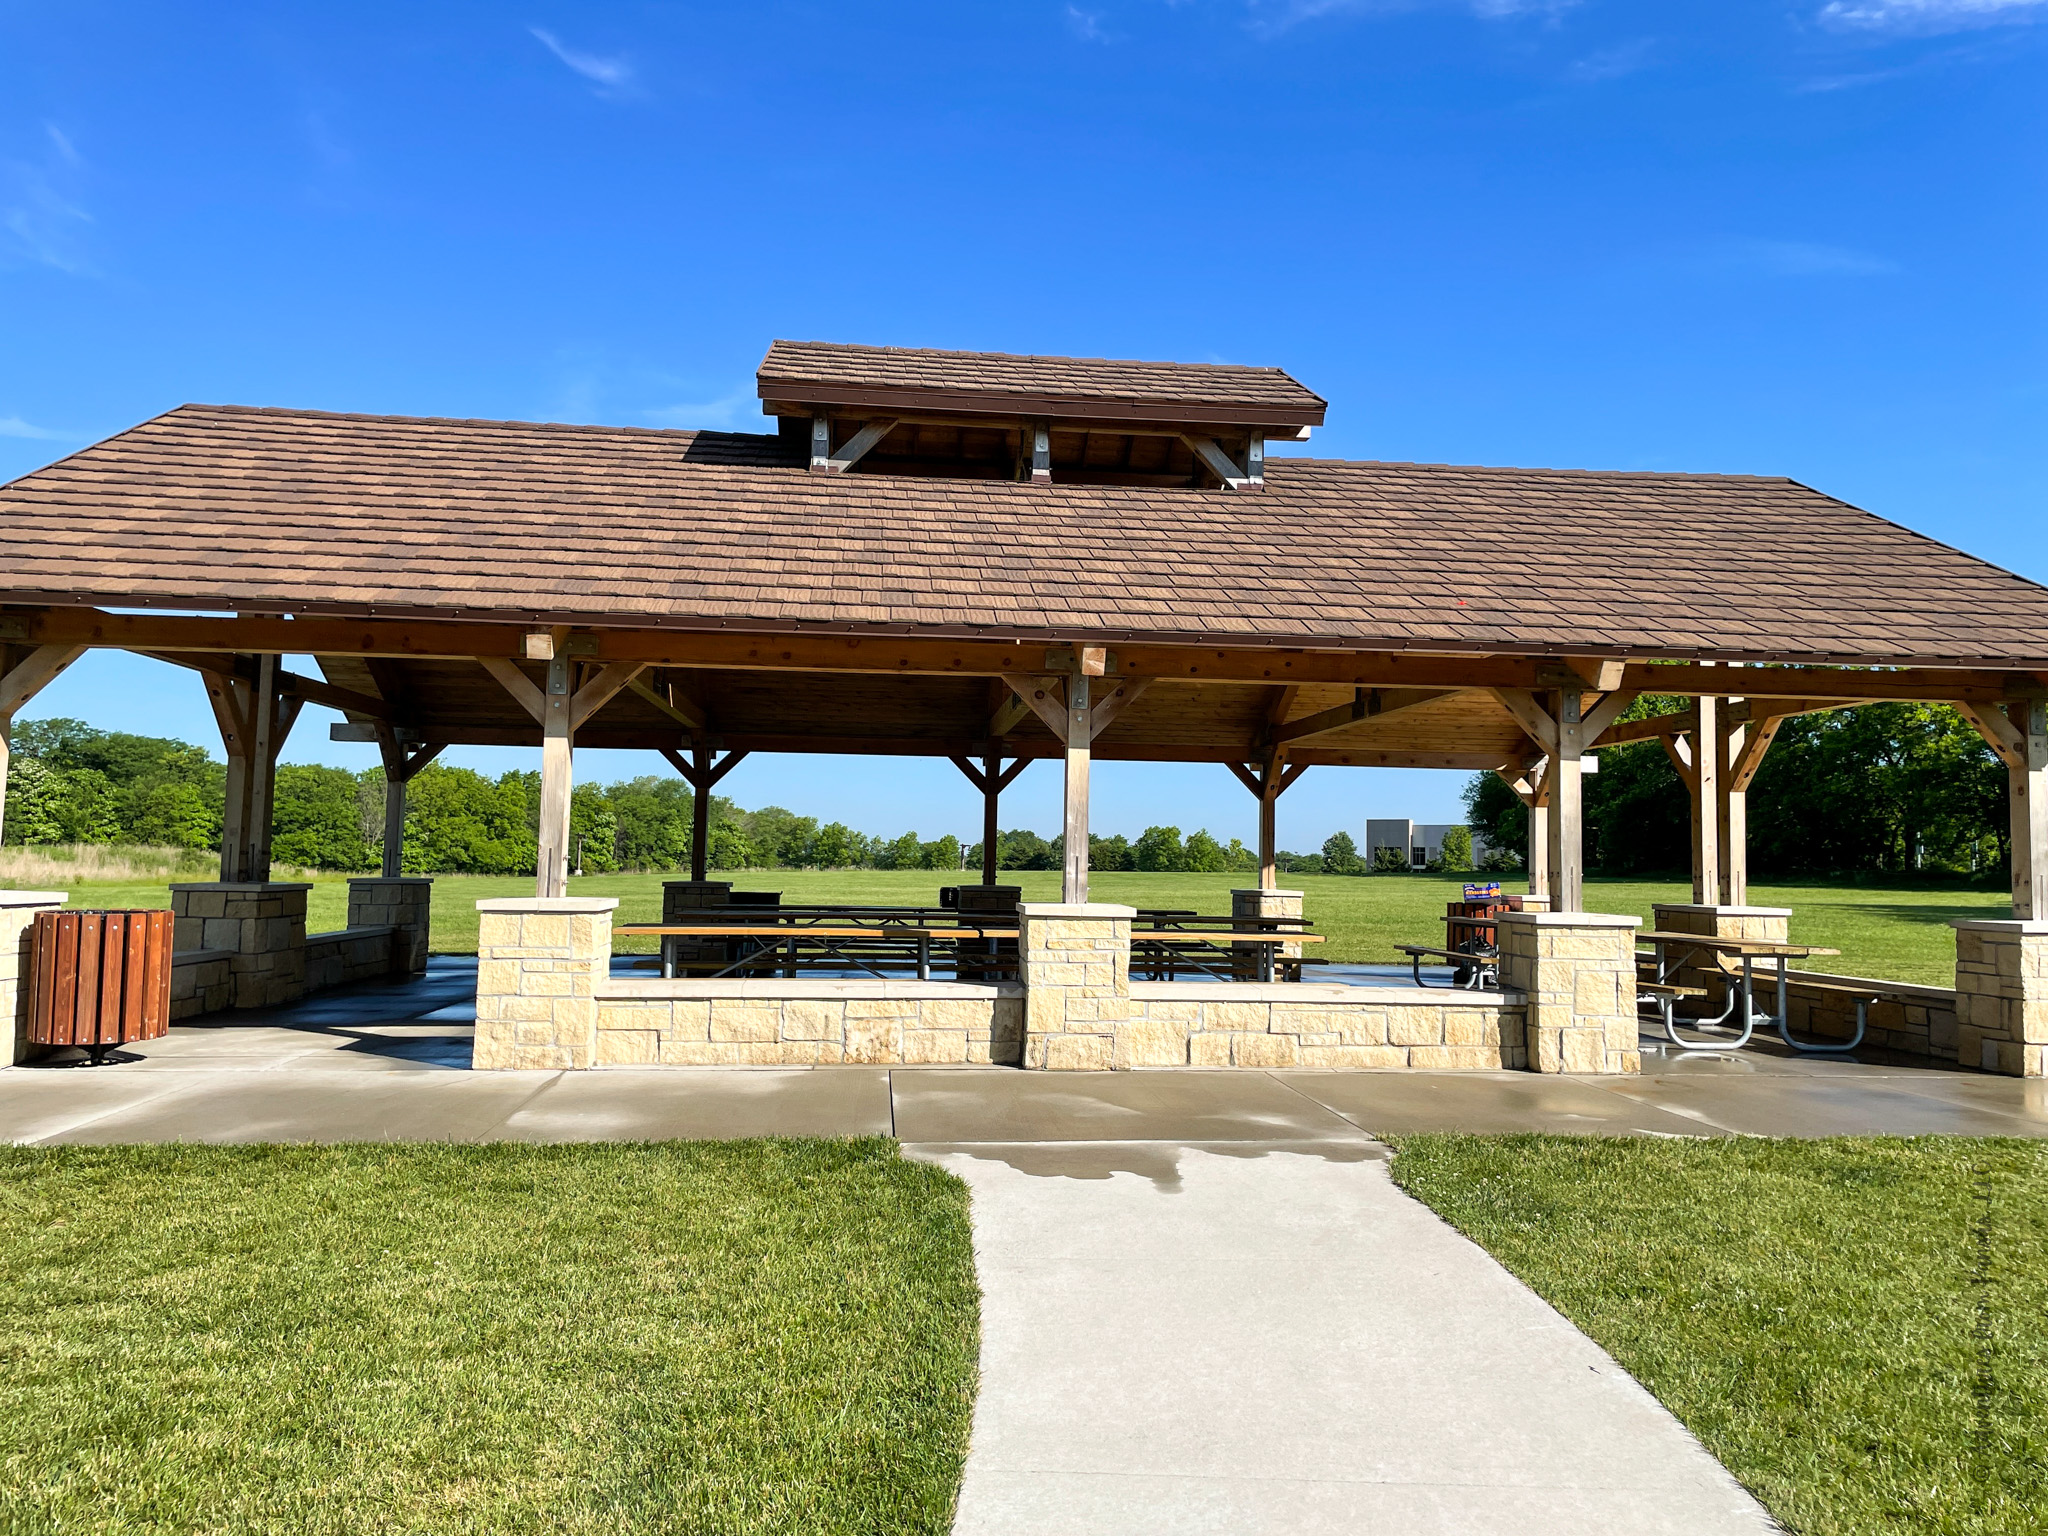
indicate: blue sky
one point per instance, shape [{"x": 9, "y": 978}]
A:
[{"x": 1802, "y": 237}]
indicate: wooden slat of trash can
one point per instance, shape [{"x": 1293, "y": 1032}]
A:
[{"x": 101, "y": 978}]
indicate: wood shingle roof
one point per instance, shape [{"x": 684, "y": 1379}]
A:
[{"x": 300, "y": 511}]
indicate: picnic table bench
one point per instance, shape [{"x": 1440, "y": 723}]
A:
[
  {"x": 1477, "y": 969},
  {"x": 1735, "y": 961}
]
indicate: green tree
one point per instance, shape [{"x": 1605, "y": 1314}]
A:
[
  {"x": 1024, "y": 850},
  {"x": 1159, "y": 850},
  {"x": 1241, "y": 859},
  {"x": 906, "y": 852},
  {"x": 1455, "y": 854},
  {"x": 942, "y": 853},
  {"x": 34, "y": 796},
  {"x": 1340, "y": 855},
  {"x": 314, "y": 821},
  {"x": 653, "y": 815},
  {"x": 459, "y": 822},
  {"x": 730, "y": 848},
  {"x": 1204, "y": 855},
  {"x": 1108, "y": 854},
  {"x": 593, "y": 830}
]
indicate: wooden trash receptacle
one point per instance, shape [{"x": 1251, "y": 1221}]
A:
[{"x": 101, "y": 979}]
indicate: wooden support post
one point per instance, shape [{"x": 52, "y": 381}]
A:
[
  {"x": 399, "y": 768},
  {"x": 1080, "y": 733},
  {"x": 24, "y": 672},
  {"x": 702, "y": 775},
  {"x": 2019, "y": 736},
  {"x": 991, "y": 794},
  {"x": 1268, "y": 781},
  {"x": 551, "y": 875},
  {"x": 1708, "y": 802},
  {"x": 1566, "y": 830},
  {"x": 2027, "y": 786}
]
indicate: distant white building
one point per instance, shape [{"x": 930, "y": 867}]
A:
[{"x": 1419, "y": 843}]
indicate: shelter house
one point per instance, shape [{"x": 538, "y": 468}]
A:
[{"x": 1000, "y": 560}]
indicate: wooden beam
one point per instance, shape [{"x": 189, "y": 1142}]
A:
[
  {"x": 2004, "y": 738},
  {"x": 1114, "y": 701},
  {"x": 672, "y": 703},
  {"x": 974, "y": 775},
  {"x": 987, "y": 655},
  {"x": 518, "y": 684},
  {"x": 1602, "y": 674},
  {"x": 1530, "y": 715},
  {"x": 1742, "y": 711},
  {"x": 1009, "y": 774},
  {"x": 855, "y": 448},
  {"x": 1603, "y": 714},
  {"x": 1217, "y": 462},
  {"x": 1756, "y": 741},
  {"x": 601, "y": 689},
  {"x": 1566, "y": 830},
  {"x": 32, "y": 674},
  {"x": 1248, "y": 778},
  {"x": 1367, "y": 704},
  {"x": 1009, "y": 714},
  {"x": 1044, "y": 697}
]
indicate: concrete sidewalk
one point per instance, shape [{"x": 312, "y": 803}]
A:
[{"x": 1255, "y": 1338}]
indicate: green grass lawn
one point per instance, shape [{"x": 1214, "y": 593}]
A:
[
  {"x": 1899, "y": 933},
  {"x": 1857, "y": 1328},
  {"x": 732, "y": 1337}
]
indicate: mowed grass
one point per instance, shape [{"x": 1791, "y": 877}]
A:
[
  {"x": 1897, "y": 933},
  {"x": 767, "y": 1336},
  {"x": 1857, "y": 1328}
]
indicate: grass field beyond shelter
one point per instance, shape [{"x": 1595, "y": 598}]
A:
[{"x": 741, "y": 1337}]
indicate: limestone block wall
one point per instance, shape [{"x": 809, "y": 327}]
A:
[
  {"x": 18, "y": 911},
  {"x": 1076, "y": 962},
  {"x": 1281, "y": 1024},
  {"x": 2002, "y": 996},
  {"x": 805, "y": 1022},
  {"x": 1576, "y": 971},
  {"x": 540, "y": 961},
  {"x": 403, "y": 904},
  {"x": 1923, "y": 1021},
  {"x": 350, "y": 954},
  {"x": 262, "y": 924},
  {"x": 202, "y": 981}
]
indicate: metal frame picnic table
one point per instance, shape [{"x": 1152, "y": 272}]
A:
[
  {"x": 1687, "y": 947},
  {"x": 834, "y": 938},
  {"x": 1212, "y": 946}
]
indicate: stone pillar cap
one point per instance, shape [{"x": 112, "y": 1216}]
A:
[
  {"x": 1076, "y": 909},
  {"x": 390, "y": 879},
  {"x": 245, "y": 885},
  {"x": 1260, "y": 890},
  {"x": 33, "y": 898},
  {"x": 1698, "y": 906},
  {"x": 2000, "y": 924},
  {"x": 1570, "y": 919},
  {"x": 548, "y": 904}
]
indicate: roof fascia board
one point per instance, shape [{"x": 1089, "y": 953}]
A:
[{"x": 802, "y": 398}]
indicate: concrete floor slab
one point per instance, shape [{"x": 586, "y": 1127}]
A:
[
  {"x": 1489, "y": 1103},
  {"x": 1785, "y": 1105},
  {"x": 705, "y": 1104},
  {"x": 1185, "y": 1104},
  {"x": 1286, "y": 1343}
]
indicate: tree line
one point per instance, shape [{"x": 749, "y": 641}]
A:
[{"x": 1883, "y": 789}]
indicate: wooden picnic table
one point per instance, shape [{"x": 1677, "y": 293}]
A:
[
  {"x": 791, "y": 933},
  {"x": 1674, "y": 950}
]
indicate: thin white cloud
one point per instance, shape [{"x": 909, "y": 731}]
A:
[
  {"x": 14, "y": 426},
  {"x": 613, "y": 76},
  {"x": 1269, "y": 18},
  {"x": 1613, "y": 63},
  {"x": 1086, "y": 25},
  {"x": 41, "y": 219},
  {"x": 1927, "y": 15},
  {"x": 1796, "y": 258}
]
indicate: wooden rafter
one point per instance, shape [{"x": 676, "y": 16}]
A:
[
  {"x": 672, "y": 702},
  {"x": 1366, "y": 704},
  {"x": 32, "y": 674},
  {"x": 1045, "y": 697},
  {"x": 600, "y": 689}
]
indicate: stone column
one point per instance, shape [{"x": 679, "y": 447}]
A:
[
  {"x": 18, "y": 911},
  {"x": 403, "y": 903},
  {"x": 539, "y": 960},
  {"x": 1578, "y": 973},
  {"x": 1261, "y": 903},
  {"x": 262, "y": 923},
  {"x": 680, "y": 899},
  {"x": 1077, "y": 983},
  {"x": 2002, "y": 996}
]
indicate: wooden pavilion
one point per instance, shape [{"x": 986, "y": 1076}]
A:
[{"x": 996, "y": 559}]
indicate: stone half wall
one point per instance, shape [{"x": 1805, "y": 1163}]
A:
[
  {"x": 351, "y": 954},
  {"x": 202, "y": 981},
  {"x": 1919, "y": 1020},
  {"x": 824, "y": 1022},
  {"x": 1281, "y": 1024}
]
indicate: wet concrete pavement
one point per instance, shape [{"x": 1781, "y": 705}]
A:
[{"x": 391, "y": 1063}]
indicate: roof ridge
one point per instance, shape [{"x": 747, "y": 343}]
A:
[
  {"x": 449, "y": 421},
  {"x": 1028, "y": 357}
]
